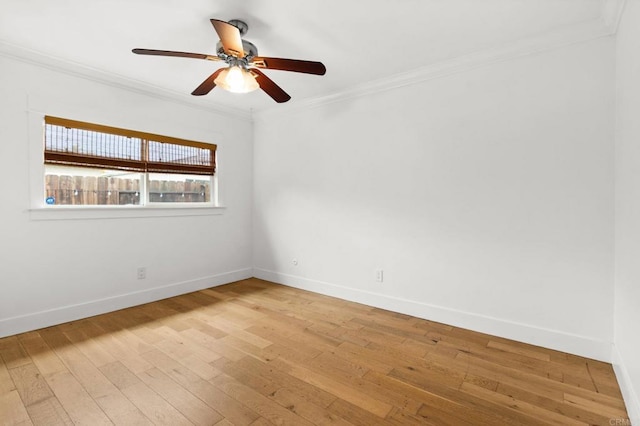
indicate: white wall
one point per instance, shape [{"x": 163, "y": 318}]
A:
[
  {"x": 486, "y": 197},
  {"x": 58, "y": 270},
  {"x": 627, "y": 211}
]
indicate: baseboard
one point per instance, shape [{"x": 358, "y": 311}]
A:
[
  {"x": 36, "y": 320},
  {"x": 624, "y": 381},
  {"x": 552, "y": 339}
]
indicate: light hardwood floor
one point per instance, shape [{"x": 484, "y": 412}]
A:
[{"x": 257, "y": 353}]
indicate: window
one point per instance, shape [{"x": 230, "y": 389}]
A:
[{"x": 93, "y": 165}]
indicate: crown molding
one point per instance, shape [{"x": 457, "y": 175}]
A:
[
  {"x": 604, "y": 26},
  {"x": 33, "y": 57},
  {"x": 611, "y": 14},
  {"x": 575, "y": 34}
]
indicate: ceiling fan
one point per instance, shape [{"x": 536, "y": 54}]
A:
[{"x": 242, "y": 74}]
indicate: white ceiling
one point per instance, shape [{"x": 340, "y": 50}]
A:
[{"x": 359, "y": 41}]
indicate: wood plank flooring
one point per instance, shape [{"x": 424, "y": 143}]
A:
[{"x": 258, "y": 353}]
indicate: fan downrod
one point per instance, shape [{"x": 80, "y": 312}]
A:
[{"x": 240, "y": 25}]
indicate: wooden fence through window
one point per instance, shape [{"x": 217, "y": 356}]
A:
[{"x": 101, "y": 190}]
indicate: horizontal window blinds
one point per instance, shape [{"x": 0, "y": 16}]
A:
[{"x": 76, "y": 143}]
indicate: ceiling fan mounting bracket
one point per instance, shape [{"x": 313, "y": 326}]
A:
[{"x": 240, "y": 25}]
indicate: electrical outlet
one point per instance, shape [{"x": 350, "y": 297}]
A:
[
  {"x": 379, "y": 275},
  {"x": 142, "y": 273}
]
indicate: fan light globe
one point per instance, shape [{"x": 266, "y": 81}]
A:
[{"x": 236, "y": 80}]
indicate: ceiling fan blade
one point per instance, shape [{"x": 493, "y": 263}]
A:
[
  {"x": 230, "y": 38},
  {"x": 176, "y": 54},
  {"x": 271, "y": 88},
  {"x": 295, "y": 65},
  {"x": 207, "y": 85}
]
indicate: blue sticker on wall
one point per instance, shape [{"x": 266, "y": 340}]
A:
[{"x": 50, "y": 200}]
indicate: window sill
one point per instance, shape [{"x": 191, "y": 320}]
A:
[{"x": 90, "y": 212}]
